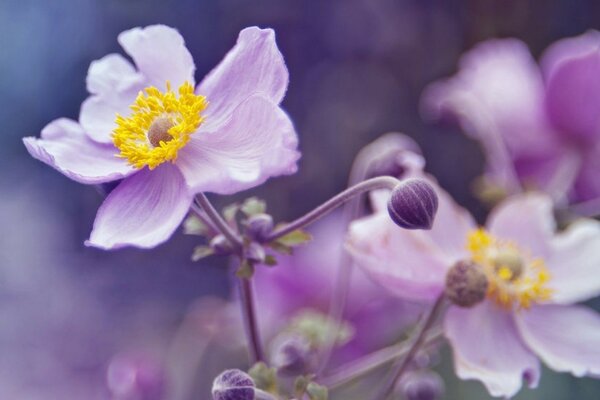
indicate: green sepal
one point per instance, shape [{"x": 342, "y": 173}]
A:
[
  {"x": 270, "y": 260},
  {"x": 253, "y": 206},
  {"x": 246, "y": 270},
  {"x": 265, "y": 378},
  {"x": 294, "y": 238},
  {"x": 317, "y": 392},
  {"x": 201, "y": 252},
  {"x": 194, "y": 226}
]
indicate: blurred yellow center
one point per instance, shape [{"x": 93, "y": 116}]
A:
[
  {"x": 515, "y": 278},
  {"x": 160, "y": 124}
]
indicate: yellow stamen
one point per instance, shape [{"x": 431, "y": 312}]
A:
[
  {"x": 159, "y": 126},
  {"x": 515, "y": 278}
]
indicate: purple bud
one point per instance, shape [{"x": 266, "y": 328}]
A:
[
  {"x": 413, "y": 204},
  {"x": 259, "y": 226},
  {"x": 255, "y": 253},
  {"x": 422, "y": 385},
  {"x": 233, "y": 384},
  {"x": 135, "y": 378},
  {"x": 220, "y": 245},
  {"x": 466, "y": 284},
  {"x": 292, "y": 354}
]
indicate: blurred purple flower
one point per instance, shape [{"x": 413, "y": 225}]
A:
[
  {"x": 539, "y": 126},
  {"x": 135, "y": 377},
  {"x": 534, "y": 277},
  {"x": 236, "y": 142}
]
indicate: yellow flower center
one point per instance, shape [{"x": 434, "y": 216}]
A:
[
  {"x": 514, "y": 276},
  {"x": 159, "y": 126}
]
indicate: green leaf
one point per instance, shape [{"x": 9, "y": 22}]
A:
[
  {"x": 270, "y": 260},
  {"x": 230, "y": 212},
  {"x": 265, "y": 378},
  {"x": 194, "y": 226},
  {"x": 246, "y": 270},
  {"x": 201, "y": 252},
  {"x": 295, "y": 238},
  {"x": 317, "y": 392},
  {"x": 253, "y": 206},
  {"x": 281, "y": 248}
]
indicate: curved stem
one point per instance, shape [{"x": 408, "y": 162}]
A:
[
  {"x": 362, "y": 366},
  {"x": 381, "y": 182},
  {"x": 403, "y": 365},
  {"x": 218, "y": 221},
  {"x": 250, "y": 321}
]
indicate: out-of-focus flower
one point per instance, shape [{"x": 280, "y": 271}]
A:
[
  {"x": 131, "y": 377},
  {"x": 539, "y": 126},
  {"x": 534, "y": 277},
  {"x": 169, "y": 142}
]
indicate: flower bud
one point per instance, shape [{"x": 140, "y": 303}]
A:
[
  {"x": 233, "y": 384},
  {"x": 466, "y": 284},
  {"x": 135, "y": 378},
  {"x": 220, "y": 245},
  {"x": 413, "y": 204},
  {"x": 292, "y": 354},
  {"x": 422, "y": 385},
  {"x": 255, "y": 253},
  {"x": 259, "y": 226}
]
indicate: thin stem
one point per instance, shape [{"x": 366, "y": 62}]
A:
[
  {"x": 403, "y": 365},
  {"x": 198, "y": 212},
  {"x": 218, "y": 221},
  {"x": 362, "y": 366},
  {"x": 250, "y": 322},
  {"x": 381, "y": 182}
]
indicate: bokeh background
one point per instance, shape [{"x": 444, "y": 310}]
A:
[{"x": 357, "y": 70}]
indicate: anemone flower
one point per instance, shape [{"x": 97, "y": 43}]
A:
[
  {"x": 538, "y": 125},
  {"x": 532, "y": 277},
  {"x": 167, "y": 140}
]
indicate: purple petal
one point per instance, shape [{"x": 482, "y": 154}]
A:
[
  {"x": 566, "y": 338},
  {"x": 257, "y": 143},
  {"x": 65, "y": 147},
  {"x": 143, "y": 211},
  {"x": 527, "y": 220},
  {"x": 253, "y": 66},
  {"x": 112, "y": 73},
  {"x": 487, "y": 347},
  {"x": 572, "y": 71},
  {"x": 574, "y": 263},
  {"x": 160, "y": 54},
  {"x": 587, "y": 186}
]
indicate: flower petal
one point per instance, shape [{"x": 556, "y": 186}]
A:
[
  {"x": 160, "y": 54},
  {"x": 112, "y": 73},
  {"x": 65, "y": 147},
  {"x": 527, "y": 220},
  {"x": 572, "y": 71},
  {"x": 143, "y": 211},
  {"x": 574, "y": 263},
  {"x": 98, "y": 113},
  {"x": 567, "y": 338},
  {"x": 487, "y": 347},
  {"x": 253, "y": 66},
  {"x": 257, "y": 143}
]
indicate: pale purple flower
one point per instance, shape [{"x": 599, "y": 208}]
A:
[
  {"x": 539, "y": 125},
  {"x": 535, "y": 278},
  {"x": 229, "y": 136}
]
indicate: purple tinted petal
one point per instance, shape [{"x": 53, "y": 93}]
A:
[
  {"x": 253, "y": 66},
  {"x": 572, "y": 69},
  {"x": 487, "y": 347},
  {"x": 527, "y": 220},
  {"x": 574, "y": 263},
  {"x": 160, "y": 54},
  {"x": 143, "y": 211},
  {"x": 566, "y": 338},
  {"x": 587, "y": 186},
  {"x": 257, "y": 143},
  {"x": 65, "y": 147},
  {"x": 112, "y": 73}
]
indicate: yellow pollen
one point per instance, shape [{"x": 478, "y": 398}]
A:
[
  {"x": 159, "y": 126},
  {"x": 515, "y": 278}
]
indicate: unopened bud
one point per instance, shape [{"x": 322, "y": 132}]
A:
[
  {"x": 233, "y": 384},
  {"x": 292, "y": 354},
  {"x": 255, "y": 253},
  {"x": 422, "y": 385},
  {"x": 259, "y": 226},
  {"x": 413, "y": 204},
  {"x": 466, "y": 284},
  {"x": 220, "y": 245}
]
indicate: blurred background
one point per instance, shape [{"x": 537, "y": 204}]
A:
[{"x": 357, "y": 69}]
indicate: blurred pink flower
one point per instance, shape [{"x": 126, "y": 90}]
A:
[
  {"x": 534, "y": 278},
  {"x": 169, "y": 144},
  {"x": 539, "y": 126}
]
